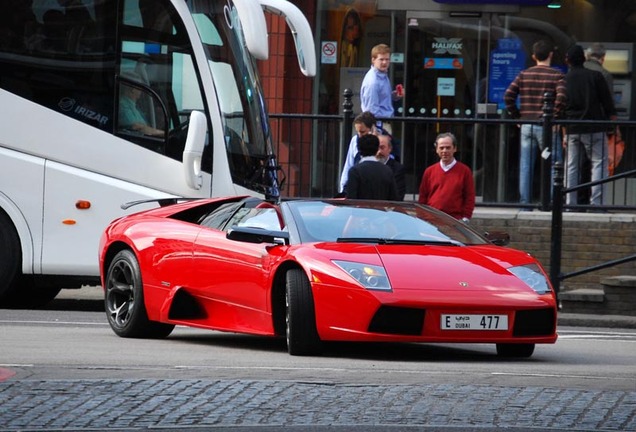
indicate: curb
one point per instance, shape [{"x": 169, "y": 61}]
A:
[{"x": 588, "y": 320}]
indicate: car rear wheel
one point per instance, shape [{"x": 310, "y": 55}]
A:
[
  {"x": 515, "y": 350},
  {"x": 300, "y": 316},
  {"x": 124, "y": 300}
]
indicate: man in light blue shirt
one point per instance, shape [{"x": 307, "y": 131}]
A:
[
  {"x": 376, "y": 94},
  {"x": 364, "y": 124}
]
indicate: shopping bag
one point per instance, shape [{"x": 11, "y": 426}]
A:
[{"x": 616, "y": 148}]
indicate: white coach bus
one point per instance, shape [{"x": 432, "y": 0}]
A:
[{"x": 104, "y": 102}]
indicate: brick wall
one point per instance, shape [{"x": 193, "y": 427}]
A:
[
  {"x": 588, "y": 240},
  {"x": 287, "y": 90}
]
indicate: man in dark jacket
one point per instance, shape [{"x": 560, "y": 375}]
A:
[
  {"x": 588, "y": 98},
  {"x": 369, "y": 178},
  {"x": 384, "y": 155}
]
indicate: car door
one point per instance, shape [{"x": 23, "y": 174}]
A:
[{"x": 232, "y": 277}]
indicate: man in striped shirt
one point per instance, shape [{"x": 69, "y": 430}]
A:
[{"x": 530, "y": 86}]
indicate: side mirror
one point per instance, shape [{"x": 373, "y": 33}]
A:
[
  {"x": 300, "y": 30},
  {"x": 498, "y": 238},
  {"x": 193, "y": 151},
  {"x": 258, "y": 235},
  {"x": 254, "y": 27}
]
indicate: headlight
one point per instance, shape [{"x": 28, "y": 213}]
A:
[
  {"x": 532, "y": 276},
  {"x": 371, "y": 277}
]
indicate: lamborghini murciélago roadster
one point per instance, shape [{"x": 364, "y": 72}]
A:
[{"x": 322, "y": 270}]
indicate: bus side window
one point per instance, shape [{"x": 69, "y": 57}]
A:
[
  {"x": 49, "y": 68},
  {"x": 136, "y": 117},
  {"x": 155, "y": 45}
]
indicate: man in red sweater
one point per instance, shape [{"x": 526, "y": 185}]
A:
[{"x": 448, "y": 185}]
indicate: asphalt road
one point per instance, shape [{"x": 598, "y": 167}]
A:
[{"x": 63, "y": 369}]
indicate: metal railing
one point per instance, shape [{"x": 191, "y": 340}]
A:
[{"x": 311, "y": 149}]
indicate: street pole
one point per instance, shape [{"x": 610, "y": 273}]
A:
[
  {"x": 547, "y": 153},
  {"x": 345, "y": 132}
]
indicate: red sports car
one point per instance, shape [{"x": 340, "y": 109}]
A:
[{"x": 322, "y": 270}]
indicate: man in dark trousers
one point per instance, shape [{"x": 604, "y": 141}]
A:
[
  {"x": 588, "y": 98},
  {"x": 529, "y": 87},
  {"x": 369, "y": 178}
]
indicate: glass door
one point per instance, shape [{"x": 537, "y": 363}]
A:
[
  {"x": 448, "y": 74},
  {"x": 447, "y": 65}
]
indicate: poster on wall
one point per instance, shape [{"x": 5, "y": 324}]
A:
[
  {"x": 506, "y": 61},
  {"x": 350, "y": 38},
  {"x": 445, "y": 86}
]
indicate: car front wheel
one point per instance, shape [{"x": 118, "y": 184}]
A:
[
  {"x": 300, "y": 316},
  {"x": 124, "y": 300}
]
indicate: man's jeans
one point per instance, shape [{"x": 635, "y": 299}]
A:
[
  {"x": 531, "y": 139},
  {"x": 595, "y": 146}
]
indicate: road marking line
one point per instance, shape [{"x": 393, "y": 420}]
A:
[
  {"x": 52, "y": 322},
  {"x": 559, "y": 376}
]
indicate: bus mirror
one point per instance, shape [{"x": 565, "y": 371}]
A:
[
  {"x": 193, "y": 151},
  {"x": 254, "y": 28},
  {"x": 299, "y": 26}
]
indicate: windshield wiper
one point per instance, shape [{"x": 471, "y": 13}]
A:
[
  {"x": 262, "y": 176},
  {"x": 383, "y": 241}
]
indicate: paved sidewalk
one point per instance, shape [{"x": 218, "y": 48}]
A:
[{"x": 178, "y": 404}]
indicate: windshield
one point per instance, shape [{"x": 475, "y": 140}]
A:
[
  {"x": 378, "y": 222},
  {"x": 246, "y": 130}
]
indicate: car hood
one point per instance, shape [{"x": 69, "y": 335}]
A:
[{"x": 448, "y": 268}]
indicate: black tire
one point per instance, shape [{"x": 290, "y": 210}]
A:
[
  {"x": 16, "y": 290},
  {"x": 124, "y": 300},
  {"x": 28, "y": 295},
  {"x": 10, "y": 259},
  {"x": 300, "y": 317},
  {"x": 515, "y": 350}
]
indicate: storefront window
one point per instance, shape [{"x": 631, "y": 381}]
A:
[
  {"x": 349, "y": 30},
  {"x": 455, "y": 62}
]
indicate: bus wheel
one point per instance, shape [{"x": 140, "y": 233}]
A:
[
  {"x": 28, "y": 295},
  {"x": 10, "y": 258}
]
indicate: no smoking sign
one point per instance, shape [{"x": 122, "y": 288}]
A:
[{"x": 329, "y": 52}]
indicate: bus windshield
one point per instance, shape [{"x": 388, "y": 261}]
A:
[{"x": 242, "y": 106}]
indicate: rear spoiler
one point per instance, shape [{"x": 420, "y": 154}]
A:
[{"x": 163, "y": 202}]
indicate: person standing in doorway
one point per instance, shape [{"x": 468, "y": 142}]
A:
[
  {"x": 369, "y": 178},
  {"x": 376, "y": 94},
  {"x": 530, "y": 87},
  {"x": 448, "y": 185},
  {"x": 588, "y": 98}
]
